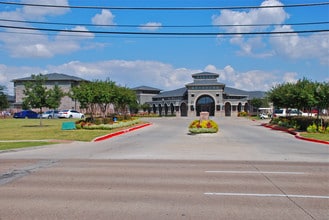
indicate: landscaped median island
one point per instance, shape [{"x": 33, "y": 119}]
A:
[
  {"x": 306, "y": 128},
  {"x": 18, "y": 133},
  {"x": 203, "y": 125}
]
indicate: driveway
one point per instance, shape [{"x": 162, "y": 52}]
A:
[{"x": 168, "y": 138}]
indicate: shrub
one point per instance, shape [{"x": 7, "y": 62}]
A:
[
  {"x": 311, "y": 128},
  {"x": 242, "y": 114}
]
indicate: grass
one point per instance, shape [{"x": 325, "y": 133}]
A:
[
  {"x": 317, "y": 136},
  {"x": 25, "y": 130},
  {"x": 15, "y": 145}
]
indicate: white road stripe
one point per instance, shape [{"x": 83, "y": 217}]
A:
[
  {"x": 266, "y": 195},
  {"x": 252, "y": 172}
]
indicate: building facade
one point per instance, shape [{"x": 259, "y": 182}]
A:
[
  {"x": 205, "y": 93},
  {"x": 65, "y": 82}
]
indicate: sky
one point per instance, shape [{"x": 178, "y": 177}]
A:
[{"x": 118, "y": 41}]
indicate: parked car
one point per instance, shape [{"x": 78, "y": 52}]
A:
[
  {"x": 26, "y": 114},
  {"x": 70, "y": 114},
  {"x": 263, "y": 116},
  {"x": 280, "y": 113},
  {"x": 290, "y": 112},
  {"x": 50, "y": 114}
]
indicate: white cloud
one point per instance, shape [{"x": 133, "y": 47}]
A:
[
  {"x": 130, "y": 73},
  {"x": 299, "y": 47},
  {"x": 252, "y": 46},
  {"x": 254, "y": 16},
  {"x": 250, "y": 80},
  {"x": 151, "y": 26},
  {"x": 40, "y": 12},
  {"x": 292, "y": 46},
  {"x": 104, "y": 18},
  {"x": 290, "y": 77}
]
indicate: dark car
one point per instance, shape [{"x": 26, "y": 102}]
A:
[{"x": 26, "y": 114}]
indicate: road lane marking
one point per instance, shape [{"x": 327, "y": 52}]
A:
[
  {"x": 266, "y": 195},
  {"x": 252, "y": 172}
]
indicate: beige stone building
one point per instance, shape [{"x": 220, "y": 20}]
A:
[
  {"x": 65, "y": 82},
  {"x": 205, "y": 93}
]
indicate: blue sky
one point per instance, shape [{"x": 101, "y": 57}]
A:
[{"x": 249, "y": 62}]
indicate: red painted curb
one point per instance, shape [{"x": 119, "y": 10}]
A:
[
  {"x": 296, "y": 134},
  {"x": 120, "y": 132}
]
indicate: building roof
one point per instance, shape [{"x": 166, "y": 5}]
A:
[
  {"x": 173, "y": 93},
  {"x": 53, "y": 77},
  {"x": 205, "y": 82},
  {"x": 146, "y": 88},
  {"x": 205, "y": 73},
  {"x": 250, "y": 94}
]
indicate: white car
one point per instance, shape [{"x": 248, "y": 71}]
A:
[
  {"x": 70, "y": 114},
  {"x": 263, "y": 116}
]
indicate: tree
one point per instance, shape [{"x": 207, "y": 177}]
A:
[
  {"x": 35, "y": 92},
  {"x": 256, "y": 103},
  {"x": 3, "y": 99},
  {"x": 85, "y": 95},
  {"x": 104, "y": 94},
  {"x": 54, "y": 97},
  {"x": 38, "y": 96},
  {"x": 125, "y": 97}
]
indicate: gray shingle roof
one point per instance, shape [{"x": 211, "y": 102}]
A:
[
  {"x": 205, "y": 73},
  {"x": 146, "y": 88},
  {"x": 251, "y": 94},
  {"x": 54, "y": 77},
  {"x": 205, "y": 82},
  {"x": 173, "y": 93}
]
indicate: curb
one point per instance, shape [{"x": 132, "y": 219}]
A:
[
  {"x": 105, "y": 137},
  {"x": 295, "y": 133}
]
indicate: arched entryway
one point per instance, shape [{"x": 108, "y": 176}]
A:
[
  {"x": 172, "y": 109},
  {"x": 166, "y": 109},
  {"x": 154, "y": 108},
  {"x": 227, "y": 109},
  {"x": 239, "y": 107},
  {"x": 183, "y": 109},
  {"x": 205, "y": 103},
  {"x": 246, "y": 107}
]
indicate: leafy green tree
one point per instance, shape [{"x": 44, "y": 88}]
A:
[
  {"x": 38, "y": 96},
  {"x": 54, "y": 97},
  {"x": 104, "y": 94},
  {"x": 35, "y": 92},
  {"x": 85, "y": 95},
  {"x": 256, "y": 103},
  {"x": 97, "y": 93},
  {"x": 303, "y": 94},
  {"x": 125, "y": 97},
  {"x": 3, "y": 99}
]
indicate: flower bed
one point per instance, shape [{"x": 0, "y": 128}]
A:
[
  {"x": 110, "y": 126},
  {"x": 204, "y": 126}
]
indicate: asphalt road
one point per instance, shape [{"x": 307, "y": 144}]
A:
[{"x": 245, "y": 171}]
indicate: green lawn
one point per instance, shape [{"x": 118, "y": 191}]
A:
[
  {"x": 15, "y": 145},
  {"x": 317, "y": 136},
  {"x": 30, "y": 129}
]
